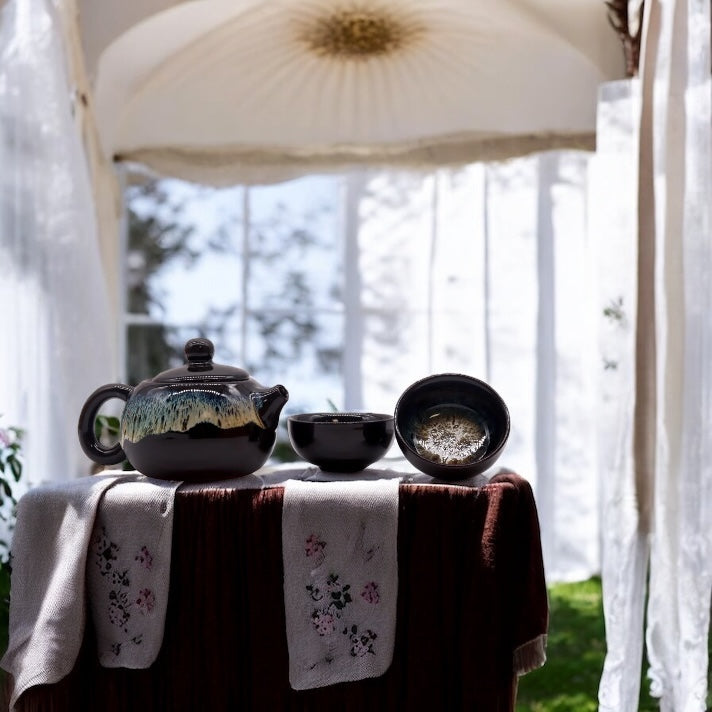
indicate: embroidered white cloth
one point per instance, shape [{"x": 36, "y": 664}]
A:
[
  {"x": 47, "y": 615},
  {"x": 128, "y": 571},
  {"x": 58, "y": 527},
  {"x": 339, "y": 548}
]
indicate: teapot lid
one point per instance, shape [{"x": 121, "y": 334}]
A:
[{"x": 200, "y": 366}]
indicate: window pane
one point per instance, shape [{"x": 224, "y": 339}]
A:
[
  {"x": 395, "y": 241},
  {"x": 182, "y": 258},
  {"x": 295, "y": 246},
  {"x": 303, "y": 353},
  {"x": 194, "y": 269},
  {"x": 152, "y": 348}
]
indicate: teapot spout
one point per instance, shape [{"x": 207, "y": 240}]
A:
[{"x": 268, "y": 405}]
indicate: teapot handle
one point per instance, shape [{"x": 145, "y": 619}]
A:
[{"x": 93, "y": 449}]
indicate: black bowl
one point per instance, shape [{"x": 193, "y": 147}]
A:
[
  {"x": 341, "y": 442},
  {"x": 451, "y": 426}
]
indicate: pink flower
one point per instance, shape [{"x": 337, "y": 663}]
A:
[
  {"x": 146, "y": 601},
  {"x": 324, "y": 622},
  {"x": 313, "y": 545},
  {"x": 370, "y": 593},
  {"x": 144, "y": 558}
]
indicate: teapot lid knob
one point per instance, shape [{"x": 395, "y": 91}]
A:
[
  {"x": 199, "y": 354},
  {"x": 199, "y": 351}
]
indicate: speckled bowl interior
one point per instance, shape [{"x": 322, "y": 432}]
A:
[{"x": 482, "y": 411}]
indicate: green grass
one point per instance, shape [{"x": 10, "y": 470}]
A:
[{"x": 575, "y": 652}]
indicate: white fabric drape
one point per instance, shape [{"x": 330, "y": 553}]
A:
[
  {"x": 106, "y": 191},
  {"x": 487, "y": 271},
  {"x": 625, "y": 548},
  {"x": 675, "y": 186},
  {"x": 681, "y": 559},
  {"x": 57, "y": 338}
]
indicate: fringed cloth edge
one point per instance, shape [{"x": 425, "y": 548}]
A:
[{"x": 530, "y": 656}]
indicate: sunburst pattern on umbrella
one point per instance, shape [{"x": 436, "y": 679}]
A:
[{"x": 225, "y": 86}]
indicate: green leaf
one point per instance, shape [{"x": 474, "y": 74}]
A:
[
  {"x": 107, "y": 425},
  {"x": 16, "y": 467}
]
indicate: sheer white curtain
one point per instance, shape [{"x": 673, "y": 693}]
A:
[
  {"x": 625, "y": 547},
  {"x": 681, "y": 558},
  {"x": 57, "y": 340},
  {"x": 667, "y": 118},
  {"x": 488, "y": 271}
]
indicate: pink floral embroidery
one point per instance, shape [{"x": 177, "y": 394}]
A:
[
  {"x": 336, "y": 597},
  {"x": 334, "y": 612},
  {"x": 314, "y": 546},
  {"x": 370, "y": 593},
  {"x": 122, "y": 602},
  {"x": 146, "y": 601},
  {"x": 144, "y": 558},
  {"x": 324, "y": 622}
]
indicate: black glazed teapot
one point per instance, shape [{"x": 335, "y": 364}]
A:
[{"x": 202, "y": 421}]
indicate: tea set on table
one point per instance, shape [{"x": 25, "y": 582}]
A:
[{"x": 205, "y": 421}]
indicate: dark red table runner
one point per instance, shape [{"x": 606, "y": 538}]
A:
[{"x": 471, "y": 594}]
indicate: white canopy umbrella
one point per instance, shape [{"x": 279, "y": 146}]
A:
[{"x": 252, "y": 90}]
